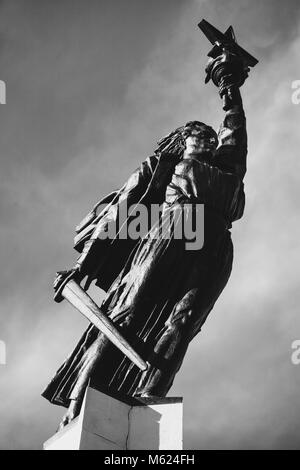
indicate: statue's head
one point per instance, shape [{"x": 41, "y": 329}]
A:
[{"x": 195, "y": 137}]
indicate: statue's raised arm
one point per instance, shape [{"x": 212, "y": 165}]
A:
[{"x": 228, "y": 68}]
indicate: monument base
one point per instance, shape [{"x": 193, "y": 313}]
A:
[{"x": 113, "y": 423}]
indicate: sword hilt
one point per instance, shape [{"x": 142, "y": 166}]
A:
[{"x": 58, "y": 297}]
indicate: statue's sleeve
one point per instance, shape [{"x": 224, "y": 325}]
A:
[
  {"x": 232, "y": 150},
  {"x": 92, "y": 241}
]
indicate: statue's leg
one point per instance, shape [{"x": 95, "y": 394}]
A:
[
  {"x": 166, "y": 358},
  {"x": 188, "y": 315},
  {"x": 87, "y": 365}
]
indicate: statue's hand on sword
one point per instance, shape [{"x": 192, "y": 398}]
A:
[{"x": 62, "y": 278}]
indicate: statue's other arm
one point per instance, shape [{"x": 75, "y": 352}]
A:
[
  {"x": 131, "y": 193},
  {"x": 232, "y": 150},
  {"x": 95, "y": 251}
]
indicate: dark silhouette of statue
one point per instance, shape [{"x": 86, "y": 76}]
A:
[{"x": 158, "y": 293}]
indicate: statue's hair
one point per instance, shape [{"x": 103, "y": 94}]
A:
[{"x": 174, "y": 143}]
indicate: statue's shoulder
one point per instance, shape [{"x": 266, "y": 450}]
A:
[
  {"x": 158, "y": 163},
  {"x": 164, "y": 168}
]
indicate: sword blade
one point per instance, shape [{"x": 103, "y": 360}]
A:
[{"x": 85, "y": 304}]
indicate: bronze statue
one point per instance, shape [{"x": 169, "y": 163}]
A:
[{"x": 158, "y": 292}]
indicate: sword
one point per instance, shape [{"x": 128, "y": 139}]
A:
[{"x": 70, "y": 290}]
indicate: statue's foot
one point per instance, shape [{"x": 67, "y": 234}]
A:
[{"x": 73, "y": 411}]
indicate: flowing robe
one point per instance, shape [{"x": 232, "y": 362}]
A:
[{"x": 158, "y": 293}]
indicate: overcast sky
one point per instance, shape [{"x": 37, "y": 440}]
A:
[{"x": 91, "y": 86}]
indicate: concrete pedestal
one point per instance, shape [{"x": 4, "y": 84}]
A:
[{"x": 113, "y": 423}]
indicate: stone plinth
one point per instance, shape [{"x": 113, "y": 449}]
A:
[{"x": 112, "y": 423}]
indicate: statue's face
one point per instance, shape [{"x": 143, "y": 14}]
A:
[{"x": 199, "y": 140}]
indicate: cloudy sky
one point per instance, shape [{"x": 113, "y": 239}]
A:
[{"x": 91, "y": 86}]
